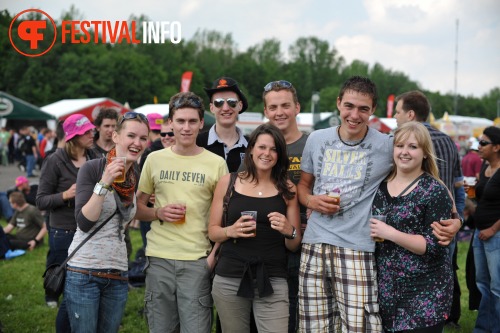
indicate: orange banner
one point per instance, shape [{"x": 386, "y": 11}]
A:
[
  {"x": 186, "y": 81},
  {"x": 390, "y": 106}
]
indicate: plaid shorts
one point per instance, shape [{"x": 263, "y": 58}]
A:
[{"x": 337, "y": 290}]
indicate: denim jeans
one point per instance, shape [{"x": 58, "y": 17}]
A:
[
  {"x": 59, "y": 242},
  {"x": 5, "y": 207},
  {"x": 95, "y": 304},
  {"x": 487, "y": 260},
  {"x": 30, "y": 165}
]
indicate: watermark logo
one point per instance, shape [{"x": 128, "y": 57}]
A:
[
  {"x": 30, "y": 37},
  {"x": 31, "y": 34}
]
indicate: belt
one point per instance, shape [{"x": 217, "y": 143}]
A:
[{"x": 104, "y": 275}]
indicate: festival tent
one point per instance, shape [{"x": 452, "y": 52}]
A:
[
  {"x": 153, "y": 108},
  {"x": 462, "y": 126},
  {"x": 89, "y": 107},
  {"x": 15, "y": 111}
]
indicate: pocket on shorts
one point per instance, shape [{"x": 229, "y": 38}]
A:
[
  {"x": 146, "y": 265},
  {"x": 206, "y": 301},
  {"x": 148, "y": 297},
  {"x": 373, "y": 322}
]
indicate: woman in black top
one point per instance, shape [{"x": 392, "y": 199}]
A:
[
  {"x": 251, "y": 271},
  {"x": 486, "y": 243}
]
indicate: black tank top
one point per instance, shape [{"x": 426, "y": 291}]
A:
[{"x": 268, "y": 246}]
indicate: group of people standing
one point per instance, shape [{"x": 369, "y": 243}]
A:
[{"x": 250, "y": 223}]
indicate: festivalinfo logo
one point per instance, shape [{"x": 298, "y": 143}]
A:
[{"x": 35, "y": 37}]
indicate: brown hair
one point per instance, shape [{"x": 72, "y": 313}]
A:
[{"x": 17, "y": 198}]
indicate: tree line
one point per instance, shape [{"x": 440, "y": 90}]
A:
[{"x": 139, "y": 72}]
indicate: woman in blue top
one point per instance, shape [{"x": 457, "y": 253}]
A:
[
  {"x": 414, "y": 272},
  {"x": 251, "y": 271}
]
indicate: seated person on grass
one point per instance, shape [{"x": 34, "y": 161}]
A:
[{"x": 29, "y": 222}]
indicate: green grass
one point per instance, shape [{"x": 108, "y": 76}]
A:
[
  {"x": 22, "y": 283},
  {"x": 25, "y": 309}
]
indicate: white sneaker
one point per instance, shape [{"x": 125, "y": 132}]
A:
[{"x": 52, "y": 304}]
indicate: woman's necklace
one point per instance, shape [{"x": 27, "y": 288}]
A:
[{"x": 352, "y": 144}]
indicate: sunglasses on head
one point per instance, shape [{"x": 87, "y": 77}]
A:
[
  {"x": 483, "y": 143},
  {"x": 277, "y": 84},
  {"x": 187, "y": 102},
  {"x": 164, "y": 134},
  {"x": 219, "y": 102},
  {"x": 134, "y": 115}
]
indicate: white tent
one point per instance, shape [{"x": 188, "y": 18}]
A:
[
  {"x": 153, "y": 108},
  {"x": 89, "y": 107}
]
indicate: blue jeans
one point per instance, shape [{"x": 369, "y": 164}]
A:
[
  {"x": 5, "y": 207},
  {"x": 95, "y": 304},
  {"x": 30, "y": 165},
  {"x": 59, "y": 242},
  {"x": 487, "y": 260}
]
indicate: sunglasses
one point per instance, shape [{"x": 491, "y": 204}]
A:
[
  {"x": 219, "y": 102},
  {"x": 483, "y": 143},
  {"x": 190, "y": 101},
  {"x": 277, "y": 84},
  {"x": 164, "y": 134},
  {"x": 134, "y": 115}
]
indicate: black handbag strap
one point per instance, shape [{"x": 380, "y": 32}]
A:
[
  {"x": 88, "y": 237},
  {"x": 229, "y": 193}
]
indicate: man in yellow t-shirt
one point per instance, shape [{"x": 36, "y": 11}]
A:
[{"x": 183, "y": 179}]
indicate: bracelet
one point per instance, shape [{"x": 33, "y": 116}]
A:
[
  {"x": 225, "y": 232},
  {"x": 36, "y": 242},
  {"x": 156, "y": 213},
  {"x": 455, "y": 215}
]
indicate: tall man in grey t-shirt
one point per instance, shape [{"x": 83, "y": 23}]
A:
[{"x": 338, "y": 278}]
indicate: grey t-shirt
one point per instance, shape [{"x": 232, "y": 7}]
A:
[{"x": 357, "y": 171}]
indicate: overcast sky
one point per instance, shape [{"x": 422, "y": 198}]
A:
[{"x": 416, "y": 37}]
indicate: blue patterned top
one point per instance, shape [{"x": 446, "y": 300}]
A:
[{"x": 415, "y": 291}]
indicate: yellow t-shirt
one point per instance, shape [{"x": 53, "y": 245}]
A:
[{"x": 192, "y": 179}]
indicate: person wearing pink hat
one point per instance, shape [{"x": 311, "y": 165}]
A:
[{"x": 56, "y": 194}]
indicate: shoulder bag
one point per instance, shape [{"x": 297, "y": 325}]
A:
[{"x": 55, "y": 274}]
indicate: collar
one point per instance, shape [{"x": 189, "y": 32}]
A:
[{"x": 213, "y": 137}]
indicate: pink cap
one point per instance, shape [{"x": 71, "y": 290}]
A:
[
  {"x": 155, "y": 120},
  {"x": 76, "y": 124},
  {"x": 21, "y": 180}
]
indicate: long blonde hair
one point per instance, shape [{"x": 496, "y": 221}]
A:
[{"x": 424, "y": 141}]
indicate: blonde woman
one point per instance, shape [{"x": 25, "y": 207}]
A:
[{"x": 414, "y": 272}]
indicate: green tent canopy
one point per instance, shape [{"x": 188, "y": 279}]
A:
[
  {"x": 14, "y": 108},
  {"x": 331, "y": 121}
]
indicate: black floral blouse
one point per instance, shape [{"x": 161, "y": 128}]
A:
[{"x": 415, "y": 291}]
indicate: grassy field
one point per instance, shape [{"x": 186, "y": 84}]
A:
[{"x": 23, "y": 309}]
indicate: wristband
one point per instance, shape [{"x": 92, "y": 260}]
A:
[
  {"x": 36, "y": 242},
  {"x": 455, "y": 215}
]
